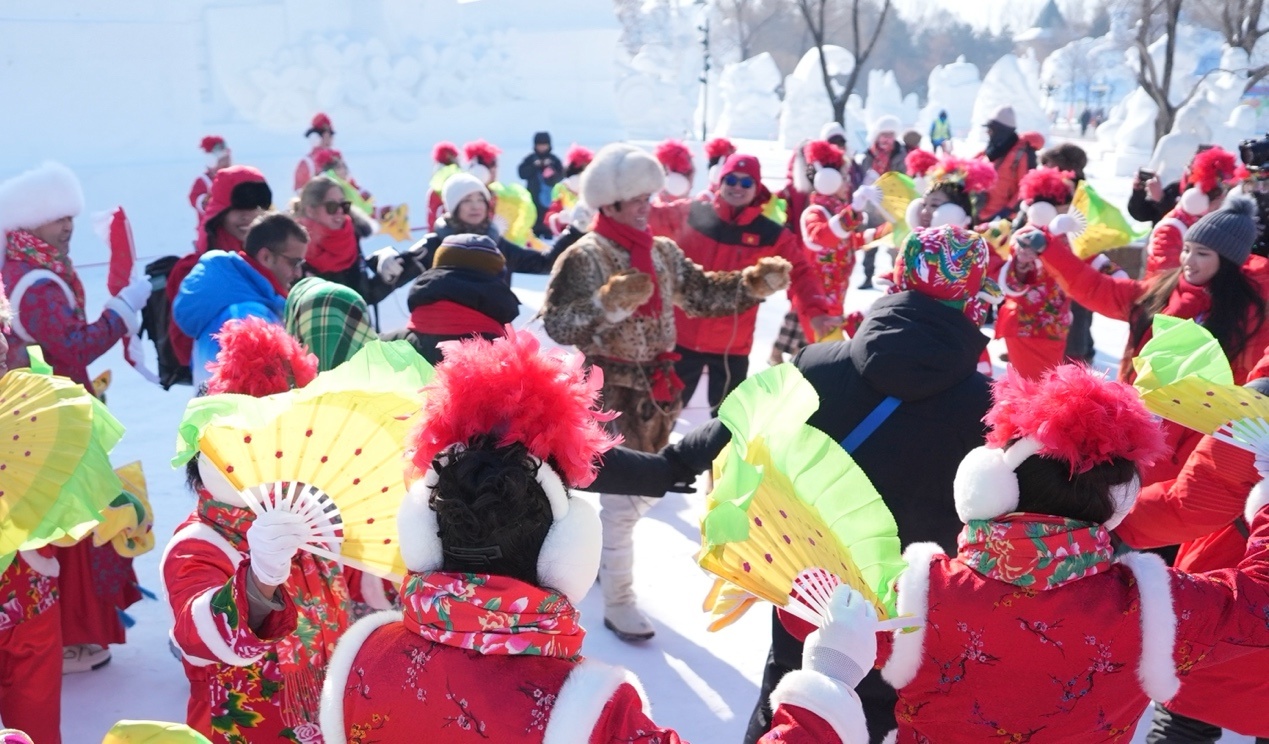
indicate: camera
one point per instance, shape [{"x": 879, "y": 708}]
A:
[{"x": 1254, "y": 153}]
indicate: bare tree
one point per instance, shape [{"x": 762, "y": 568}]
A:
[
  {"x": 1242, "y": 23},
  {"x": 744, "y": 20},
  {"x": 814, "y": 12},
  {"x": 1159, "y": 16}
]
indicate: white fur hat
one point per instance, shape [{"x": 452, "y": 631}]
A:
[
  {"x": 887, "y": 123},
  {"x": 832, "y": 129},
  {"x": 459, "y": 186},
  {"x": 38, "y": 196},
  {"x": 619, "y": 172}
]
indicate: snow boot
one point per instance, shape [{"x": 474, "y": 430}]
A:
[
  {"x": 618, "y": 515},
  {"x": 84, "y": 657}
]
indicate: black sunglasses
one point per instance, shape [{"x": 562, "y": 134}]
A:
[
  {"x": 743, "y": 182},
  {"x": 335, "y": 207}
]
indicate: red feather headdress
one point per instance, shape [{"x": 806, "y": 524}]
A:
[
  {"x": 211, "y": 142},
  {"x": 974, "y": 176},
  {"x": 1047, "y": 184},
  {"x": 511, "y": 388},
  {"x": 919, "y": 162},
  {"x": 675, "y": 157},
  {"x": 1077, "y": 416},
  {"x": 445, "y": 153},
  {"x": 718, "y": 149},
  {"x": 259, "y": 358},
  {"x": 578, "y": 157},
  {"x": 481, "y": 152},
  {"x": 825, "y": 153},
  {"x": 1211, "y": 168}
]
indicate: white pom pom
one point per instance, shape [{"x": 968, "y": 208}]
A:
[
  {"x": 1195, "y": 202},
  {"x": 985, "y": 485},
  {"x": 828, "y": 181},
  {"x": 676, "y": 184},
  {"x": 1041, "y": 214},
  {"x": 949, "y": 214}
]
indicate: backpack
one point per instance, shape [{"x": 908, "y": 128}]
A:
[{"x": 156, "y": 316}]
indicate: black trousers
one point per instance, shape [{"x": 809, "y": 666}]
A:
[
  {"x": 870, "y": 263},
  {"x": 1173, "y": 728},
  {"x": 878, "y": 697},
  {"x": 1079, "y": 341},
  {"x": 726, "y": 371}
]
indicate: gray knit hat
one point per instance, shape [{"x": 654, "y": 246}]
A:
[{"x": 1230, "y": 230}]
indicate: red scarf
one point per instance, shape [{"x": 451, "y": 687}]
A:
[
  {"x": 330, "y": 251},
  {"x": 491, "y": 615},
  {"x": 273, "y": 280},
  {"x": 638, "y": 243},
  {"x": 25, "y": 247},
  {"x": 447, "y": 318},
  {"x": 1189, "y": 301},
  {"x": 1035, "y": 550}
]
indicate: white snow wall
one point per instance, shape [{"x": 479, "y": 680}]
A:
[{"x": 123, "y": 92}]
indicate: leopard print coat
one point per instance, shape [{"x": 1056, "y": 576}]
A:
[{"x": 572, "y": 315}]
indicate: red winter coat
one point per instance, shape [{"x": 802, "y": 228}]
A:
[
  {"x": 386, "y": 684},
  {"x": 830, "y": 248},
  {"x": 1203, "y": 510},
  {"x": 1079, "y": 662},
  {"x": 1116, "y": 298},
  {"x": 44, "y": 315},
  {"x": 717, "y": 240},
  {"x": 1009, "y": 172},
  {"x": 1035, "y": 305},
  {"x": 1166, "y": 241}
]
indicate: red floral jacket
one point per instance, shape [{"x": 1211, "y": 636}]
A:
[
  {"x": 1035, "y": 305},
  {"x": 27, "y": 588},
  {"x": 1002, "y": 660}
]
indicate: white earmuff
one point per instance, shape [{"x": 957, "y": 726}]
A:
[
  {"x": 215, "y": 483},
  {"x": 677, "y": 184},
  {"x": 913, "y": 214},
  {"x": 986, "y": 486},
  {"x": 481, "y": 172},
  {"x": 949, "y": 214},
  {"x": 828, "y": 181},
  {"x": 1195, "y": 202}
]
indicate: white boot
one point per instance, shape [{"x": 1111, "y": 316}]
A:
[
  {"x": 84, "y": 657},
  {"x": 619, "y": 514}
]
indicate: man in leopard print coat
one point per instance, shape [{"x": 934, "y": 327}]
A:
[{"x": 612, "y": 295}]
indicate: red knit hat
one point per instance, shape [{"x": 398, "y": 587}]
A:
[
  {"x": 741, "y": 163},
  {"x": 259, "y": 358}
]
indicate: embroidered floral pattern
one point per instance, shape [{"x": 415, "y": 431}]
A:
[
  {"x": 1035, "y": 550},
  {"x": 24, "y": 593}
]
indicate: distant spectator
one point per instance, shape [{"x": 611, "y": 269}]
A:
[
  {"x": 884, "y": 154},
  {"x": 218, "y": 158},
  {"x": 1012, "y": 157},
  {"x": 321, "y": 134},
  {"x": 541, "y": 170},
  {"x": 941, "y": 134}
]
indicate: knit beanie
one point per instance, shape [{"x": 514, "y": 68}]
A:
[
  {"x": 542, "y": 138},
  {"x": 1230, "y": 230},
  {"x": 459, "y": 186},
  {"x": 469, "y": 251}
]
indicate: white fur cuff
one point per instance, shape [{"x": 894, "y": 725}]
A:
[
  {"x": 1256, "y": 500},
  {"x": 131, "y": 318},
  {"x": 827, "y": 698},
  {"x": 835, "y": 224}
]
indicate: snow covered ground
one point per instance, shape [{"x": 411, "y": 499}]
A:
[{"x": 705, "y": 684}]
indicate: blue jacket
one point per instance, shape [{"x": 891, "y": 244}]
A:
[{"x": 222, "y": 286}]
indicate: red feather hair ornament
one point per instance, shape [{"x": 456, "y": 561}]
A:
[
  {"x": 481, "y": 152},
  {"x": 1077, "y": 415},
  {"x": 511, "y": 388},
  {"x": 825, "y": 153},
  {"x": 675, "y": 157},
  {"x": 1047, "y": 184},
  {"x": 259, "y": 358},
  {"x": 1211, "y": 168},
  {"x": 919, "y": 162},
  {"x": 445, "y": 153},
  {"x": 578, "y": 157},
  {"x": 974, "y": 176},
  {"x": 211, "y": 142},
  {"x": 718, "y": 149}
]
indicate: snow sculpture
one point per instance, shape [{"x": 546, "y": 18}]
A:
[
  {"x": 1010, "y": 82},
  {"x": 953, "y": 88},
  {"x": 806, "y": 106},
  {"x": 750, "y": 101},
  {"x": 886, "y": 99},
  {"x": 1134, "y": 139}
]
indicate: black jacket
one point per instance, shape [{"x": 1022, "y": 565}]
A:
[
  {"x": 520, "y": 260},
  {"x": 536, "y": 181},
  {"x": 909, "y": 346},
  {"x": 477, "y": 290},
  {"x": 1142, "y": 209}
]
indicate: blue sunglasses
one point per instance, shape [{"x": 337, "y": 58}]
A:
[{"x": 743, "y": 182}]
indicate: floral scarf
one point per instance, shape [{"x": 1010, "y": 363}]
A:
[
  {"x": 492, "y": 615},
  {"x": 25, "y": 247},
  {"x": 1036, "y": 550}
]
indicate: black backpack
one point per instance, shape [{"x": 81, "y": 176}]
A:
[{"x": 155, "y": 318}]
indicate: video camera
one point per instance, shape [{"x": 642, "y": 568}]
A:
[{"x": 1255, "y": 153}]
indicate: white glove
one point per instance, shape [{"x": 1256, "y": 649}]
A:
[
  {"x": 846, "y": 647},
  {"x": 390, "y": 264},
  {"x": 1064, "y": 224},
  {"x": 582, "y": 216},
  {"x": 137, "y": 293},
  {"x": 865, "y": 196},
  {"x": 274, "y": 538}
]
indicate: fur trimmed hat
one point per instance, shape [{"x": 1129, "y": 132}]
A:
[
  {"x": 39, "y": 196},
  {"x": 459, "y": 186},
  {"x": 619, "y": 172},
  {"x": 831, "y": 130}
]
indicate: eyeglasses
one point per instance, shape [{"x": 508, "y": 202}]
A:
[
  {"x": 335, "y": 207},
  {"x": 744, "y": 182}
]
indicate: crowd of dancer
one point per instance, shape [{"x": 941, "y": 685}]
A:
[{"x": 1030, "y": 495}]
